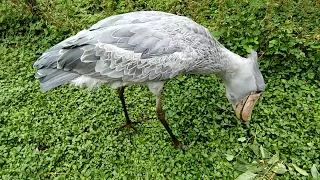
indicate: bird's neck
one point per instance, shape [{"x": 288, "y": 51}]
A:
[{"x": 222, "y": 62}]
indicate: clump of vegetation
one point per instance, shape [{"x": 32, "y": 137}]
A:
[{"x": 70, "y": 132}]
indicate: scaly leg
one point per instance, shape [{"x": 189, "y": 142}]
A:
[
  {"x": 128, "y": 121},
  {"x": 161, "y": 117}
]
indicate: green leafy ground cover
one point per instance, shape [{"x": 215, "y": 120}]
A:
[{"x": 70, "y": 132}]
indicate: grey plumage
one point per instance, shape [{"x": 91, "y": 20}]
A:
[
  {"x": 146, "y": 47},
  {"x": 135, "y": 47},
  {"x": 140, "y": 47}
]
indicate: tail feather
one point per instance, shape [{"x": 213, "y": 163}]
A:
[
  {"x": 47, "y": 59},
  {"x": 48, "y": 73},
  {"x": 54, "y": 77}
]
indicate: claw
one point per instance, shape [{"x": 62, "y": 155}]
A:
[{"x": 129, "y": 125}]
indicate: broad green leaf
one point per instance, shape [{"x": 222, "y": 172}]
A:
[
  {"x": 253, "y": 167},
  {"x": 263, "y": 155},
  {"x": 314, "y": 172},
  {"x": 301, "y": 171},
  {"x": 240, "y": 167},
  {"x": 255, "y": 149},
  {"x": 242, "y": 139},
  {"x": 229, "y": 157},
  {"x": 273, "y": 159},
  {"x": 242, "y": 160},
  {"x": 247, "y": 176},
  {"x": 279, "y": 168}
]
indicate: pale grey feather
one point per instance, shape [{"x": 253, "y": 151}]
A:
[{"x": 135, "y": 47}]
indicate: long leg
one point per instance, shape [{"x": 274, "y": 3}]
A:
[
  {"x": 128, "y": 121},
  {"x": 161, "y": 117}
]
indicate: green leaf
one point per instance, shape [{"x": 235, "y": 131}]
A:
[
  {"x": 247, "y": 176},
  {"x": 242, "y": 139},
  {"x": 256, "y": 32},
  {"x": 263, "y": 155},
  {"x": 273, "y": 159},
  {"x": 255, "y": 149},
  {"x": 272, "y": 43},
  {"x": 301, "y": 171},
  {"x": 315, "y": 47},
  {"x": 279, "y": 168},
  {"x": 240, "y": 167},
  {"x": 229, "y": 157},
  {"x": 314, "y": 172},
  {"x": 254, "y": 167}
]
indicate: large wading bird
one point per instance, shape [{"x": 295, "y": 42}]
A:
[{"x": 149, "y": 47}]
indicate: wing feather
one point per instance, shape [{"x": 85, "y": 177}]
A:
[{"x": 138, "y": 47}]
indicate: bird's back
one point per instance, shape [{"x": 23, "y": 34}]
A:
[{"x": 135, "y": 47}]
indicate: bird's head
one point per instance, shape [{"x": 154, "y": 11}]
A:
[{"x": 244, "y": 83}]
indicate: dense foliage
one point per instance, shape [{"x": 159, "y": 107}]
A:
[{"x": 70, "y": 132}]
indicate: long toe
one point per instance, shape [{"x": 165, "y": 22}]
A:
[{"x": 129, "y": 126}]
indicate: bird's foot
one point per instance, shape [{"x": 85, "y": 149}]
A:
[
  {"x": 129, "y": 126},
  {"x": 177, "y": 144}
]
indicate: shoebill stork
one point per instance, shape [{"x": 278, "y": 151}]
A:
[{"x": 149, "y": 47}]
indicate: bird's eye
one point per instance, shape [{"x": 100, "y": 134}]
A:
[{"x": 231, "y": 96}]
